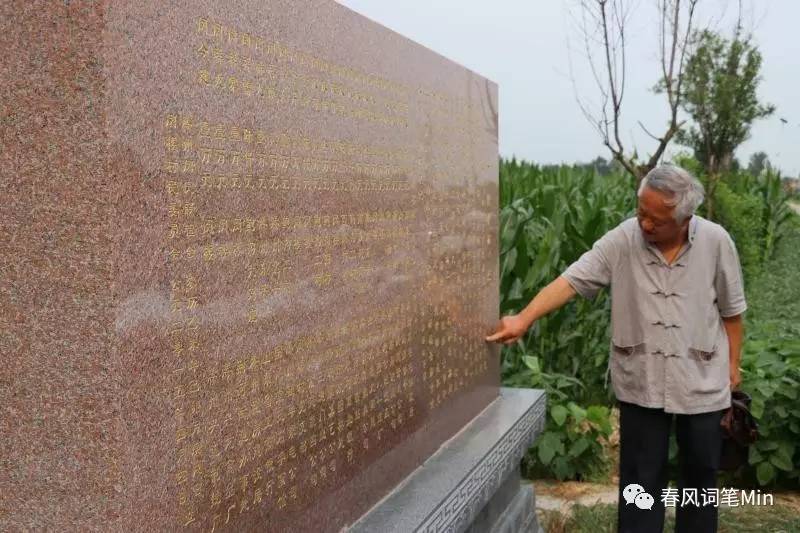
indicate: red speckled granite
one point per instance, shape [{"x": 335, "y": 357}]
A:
[{"x": 248, "y": 258}]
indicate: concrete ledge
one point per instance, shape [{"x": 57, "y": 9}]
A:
[{"x": 456, "y": 483}]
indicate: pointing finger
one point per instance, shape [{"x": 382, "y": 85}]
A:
[{"x": 496, "y": 336}]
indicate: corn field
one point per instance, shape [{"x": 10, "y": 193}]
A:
[{"x": 549, "y": 216}]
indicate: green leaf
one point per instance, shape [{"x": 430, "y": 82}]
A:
[
  {"x": 780, "y": 461},
  {"x": 765, "y": 389},
  {"x": 579, "y": 446},
  {"x": 562, "y": 469},
  {"x": 510, "y": 260},
  {"x": 515, "y": 293},
  {"x": 786, "y": 449},
  {"x": 789, "y": 392},
  {"x": 549, "y": 445},
  {"x": 559, "y": 414},
  {"x": 597, "y": 414},
  {"x": 757, "y": 408},
  {"x": 532, "y": 362},
  {"x": 754, "y": 457},
  {"x": 578, "y": 413},
  {"x": 766, "y": 445},
  {"x": 765, "y": 473}
]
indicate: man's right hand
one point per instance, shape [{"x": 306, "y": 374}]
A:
[{"x": 509, "y": 330}]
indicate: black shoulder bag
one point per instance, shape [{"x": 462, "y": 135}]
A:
[{"x": 740, "y": 430}]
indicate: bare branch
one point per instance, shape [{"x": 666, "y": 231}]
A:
[
  {"x": 662, "y": 32},
  {"x": 620, "y": 21},
  {"x": 600, "y": 84},
  {"x": 604, "y": 26},
  {"x": 615, "y": 102},
  {"x": 594, "y": 121},
  {"x": 686, "y": 38},
  {"x": 647, "y": 132},
  {"x": 739, "y": 18},
  {"x": 672, "y": 80},
  {"x": 674, "y": 23}
]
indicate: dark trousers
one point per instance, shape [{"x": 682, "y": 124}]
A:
[{"x": 644, "y": 455}]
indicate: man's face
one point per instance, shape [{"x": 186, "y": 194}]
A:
[{"x": 655, "y": 218}]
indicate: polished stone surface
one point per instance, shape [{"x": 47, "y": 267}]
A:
[
  {"x": 249, "y": 258},
  {"x": 472, "y": 479}
]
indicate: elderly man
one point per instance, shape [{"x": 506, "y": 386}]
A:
[{"x": 677, "y": 297}]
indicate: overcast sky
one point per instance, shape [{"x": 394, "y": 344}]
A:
[{"x": 523, "y": 46}]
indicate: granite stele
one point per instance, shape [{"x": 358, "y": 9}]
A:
[{"x": 249, "y": 257}]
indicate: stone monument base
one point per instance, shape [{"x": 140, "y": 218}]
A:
[
  {"x": 472, "y": 483},
  {"x": 510, "y": 510}
]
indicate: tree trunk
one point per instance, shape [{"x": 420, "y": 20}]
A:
[
  {"x": 725, "y": 162},
  {"x": 641, "y": 172},
  {"x": 713, "y": 179}
]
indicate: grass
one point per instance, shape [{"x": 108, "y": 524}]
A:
[{"x": 602, "y": 518}]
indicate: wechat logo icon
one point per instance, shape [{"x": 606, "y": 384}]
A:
[{"x": 636, "y": 495}]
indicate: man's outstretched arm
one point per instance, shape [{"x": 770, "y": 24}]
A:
[{"x": 550, "y": 298}]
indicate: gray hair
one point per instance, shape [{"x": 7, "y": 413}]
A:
[{"x": 685, "y": 192}]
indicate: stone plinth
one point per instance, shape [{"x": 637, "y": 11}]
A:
[{"x": 472, "y": 483}]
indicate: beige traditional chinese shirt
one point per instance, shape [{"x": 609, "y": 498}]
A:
[{"x": 669, "y": 348}]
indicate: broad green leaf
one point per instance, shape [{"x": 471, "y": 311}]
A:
[
  {"x": 789, "y": 391},
  {"x": 559, "y": 414},
  {"x": 765, "y": 473},
  {"x": 757, "y": 408},
  {"x": 765, "y": 389},
  {"x": 597, "y": 413},
  {"x": 754, "y": 457},
  {"x": 579, "y": 446},
  {"x": 516, "y": 290},
  {"x": 562, "y": 469},
  {"x": 780, "y": 461},
  {"x": 549, "y": 445},
  {"x": 786, "y": 449},
  {"x": 578, "y": 413},
  {"x": 766, "y": 445},
  {"x": 532, "y": 362}
]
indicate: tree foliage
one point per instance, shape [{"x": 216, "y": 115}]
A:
[
  {"x": 720, "y": 86},
  {"x": 759, "y": 161}
]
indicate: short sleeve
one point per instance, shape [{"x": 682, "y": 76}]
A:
[
  {"x": 728, "y": 279},
  {"x": 593, "y": 270}
]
